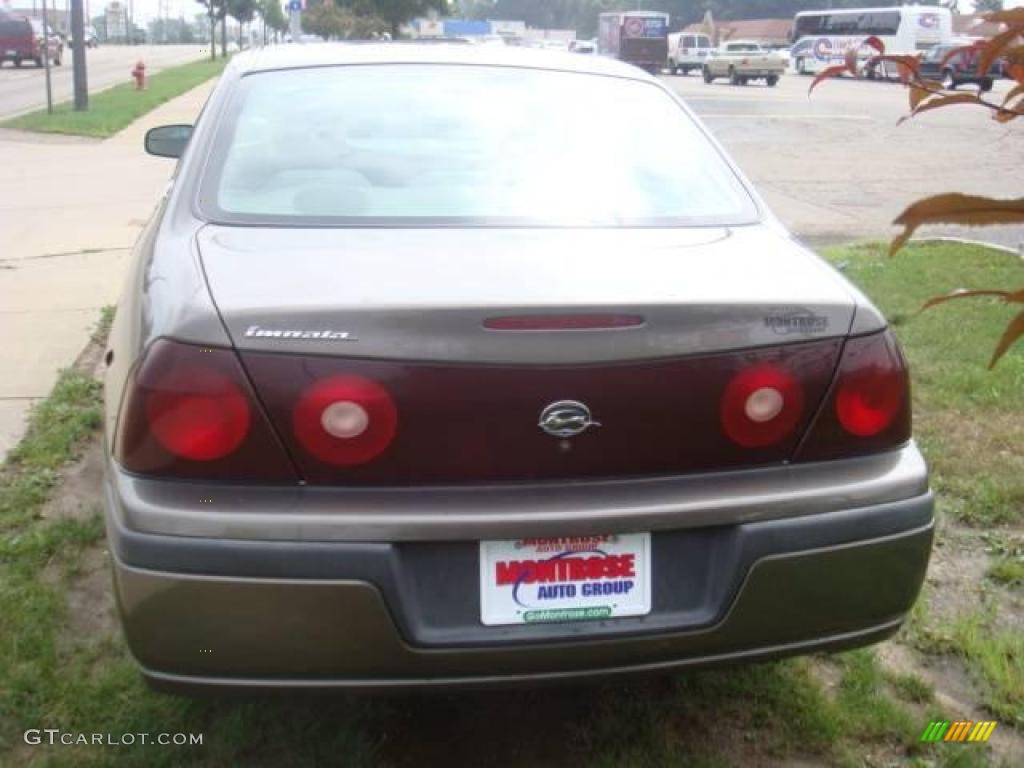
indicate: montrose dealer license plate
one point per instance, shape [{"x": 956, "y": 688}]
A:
[{"x": 574, "y": 578}]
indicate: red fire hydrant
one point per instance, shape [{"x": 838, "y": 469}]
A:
[{"x": 139, "y": 73}]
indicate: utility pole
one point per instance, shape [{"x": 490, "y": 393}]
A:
[
  {"x": 79, "y": 80},
  {"x": 295, "y": 19},
  {"x": 46, "y": 60}
]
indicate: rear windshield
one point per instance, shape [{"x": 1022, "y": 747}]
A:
[
  {"x": 14, "y": 28},
  {"x": 432, "y": 145}
]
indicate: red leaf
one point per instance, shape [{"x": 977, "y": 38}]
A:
[
  {"x": 875, "y": 43},
  {"x": 991, "y": 49},
  {"x": 954, "y": 208},
  {"x": 827, "y": 73},
  {"x": 1016, "y": 91},
  {"x": 1010, "y": 336},
  {"x": 1013, "y": 17},
  {"x": 945, "y": 101},
  {"x": 907, "y": 65},
  {"x": 1010, "y": 113},
  {"x": 1013, "y": 331},
  {"x": 972, "y": 48},
  {"x": 918, "y": 93},
  {"x": 1017, "y": 296}
]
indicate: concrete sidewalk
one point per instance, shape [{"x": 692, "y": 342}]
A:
[{"x": 70, "y": 211}]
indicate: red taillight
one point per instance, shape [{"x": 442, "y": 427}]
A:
[
  {"x": 199, "y": 414},
  {"x": 189, "y": 412},
  {"x": 868, "y": 407},
  {"x": 761, "y": 406},
  {"x": 869, "y": 400},
  {"x": 345, "y": 420}
]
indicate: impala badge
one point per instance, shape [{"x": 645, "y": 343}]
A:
[{"x": 566, "y": 418}]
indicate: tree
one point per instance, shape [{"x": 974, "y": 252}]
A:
[
  {"x": 175, "y": 31},
  {"x": 215, "y": 10},
  {"x": 926, "y": 95},
  {"x": 241, "y": 11},
  {"x": 988, "y": 6},
  {"x": 342, "y": 20},
  {"x": 273, "y": 16},
  {"x": 397, "y": 12}
]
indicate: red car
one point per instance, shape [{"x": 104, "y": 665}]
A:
[{"x": 21, "y": 39}]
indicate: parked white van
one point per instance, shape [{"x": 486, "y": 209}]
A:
[{"x": 686, "y": 52}]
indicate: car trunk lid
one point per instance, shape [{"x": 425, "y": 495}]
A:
[{"x": 427, "y": 294}]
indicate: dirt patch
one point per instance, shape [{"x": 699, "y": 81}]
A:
[
  {"x": 79, "y": 495},
  {"x": 956, "y": 696},
  {"x": 91, "y": 609},
  {"x": 987, "y": 443},
  {"x": 90, "y": 600},
  {"x": 827, "y": 673},
  {"x": 958, "y": 584},
  {"x": 956, "y": 574}
]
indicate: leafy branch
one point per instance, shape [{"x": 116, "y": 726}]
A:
[{"x": 926, "y": 95}]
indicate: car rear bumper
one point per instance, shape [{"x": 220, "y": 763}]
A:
[{"x": 201, "y": 611}]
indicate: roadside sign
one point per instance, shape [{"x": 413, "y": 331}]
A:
[
  {"x": 117, "y": 21},
  {"x": 294, "y": 6}
]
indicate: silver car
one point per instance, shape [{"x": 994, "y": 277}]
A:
[{"x": 469, "y": 365}]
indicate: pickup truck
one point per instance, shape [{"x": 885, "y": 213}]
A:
[{"x": 743, "y": 60}]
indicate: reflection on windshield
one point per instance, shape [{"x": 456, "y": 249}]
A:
[{"x": 439, "y": 142}]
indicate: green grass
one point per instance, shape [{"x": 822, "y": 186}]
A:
[
  {"x": 58, "y": 426},
  {"x": 912, "y": 688},
  {"x": 1008, "y": 570},
  {"x": 32, "y": 605},
  {"x": 102, "y": 329},
  {"x": 994, "y": 654},
  {"x": 997, "y": 657},
  {"x": 113, "y": 109}
]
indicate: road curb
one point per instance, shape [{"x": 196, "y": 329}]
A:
[{"x": 1018, "y": 252}]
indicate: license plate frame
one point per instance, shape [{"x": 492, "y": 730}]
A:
[{"x": 565, "y": 579}]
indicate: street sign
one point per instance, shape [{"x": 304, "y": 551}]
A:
[
  {"x": 117, "y": 21},
  {"x": 294, "y": 6}
]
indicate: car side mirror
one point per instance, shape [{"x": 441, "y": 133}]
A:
[{"x": 168, "y": 140}]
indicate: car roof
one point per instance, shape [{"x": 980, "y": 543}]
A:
[{"x": 298, "y": 56}]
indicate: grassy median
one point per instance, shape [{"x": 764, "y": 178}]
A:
[
  {"x": 113, "y": 109},
  {"x": 850, "y": 709}
]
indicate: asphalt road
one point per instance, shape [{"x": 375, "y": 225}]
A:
[
  {"x": 24, "y": 89},
  {"x": 837, "y": 166}
]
